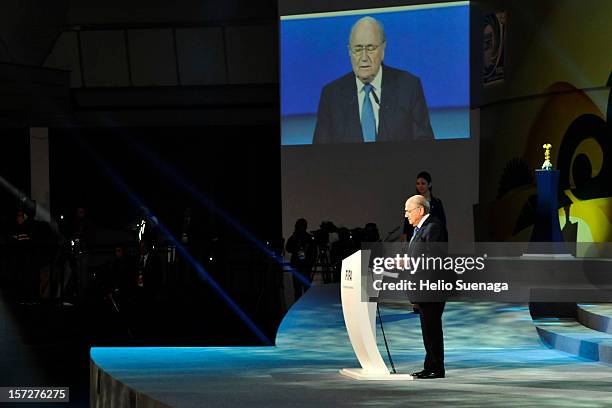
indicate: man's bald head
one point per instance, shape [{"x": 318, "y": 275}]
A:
[
  {"x": 367, "y": 44},
  {"x": 419, "y": 201},
  {"x": 367, "y": 23},
  {"x": 416, "y": 208}
]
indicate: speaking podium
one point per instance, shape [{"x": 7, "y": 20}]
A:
[{"x": 360, "y": 320}]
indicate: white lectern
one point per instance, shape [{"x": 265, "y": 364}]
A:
[{"x": 360, "y": 320}]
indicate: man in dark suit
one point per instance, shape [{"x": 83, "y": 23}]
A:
[
  {"x": 375, "y": 102},
  {"x": 141, "y": 300},
  {"x": 427, "y": 229}
]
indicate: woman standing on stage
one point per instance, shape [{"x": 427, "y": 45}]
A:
[{"x": 424, "y": 187}]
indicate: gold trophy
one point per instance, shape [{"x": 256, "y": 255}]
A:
[{"x": 547, "y": 165}]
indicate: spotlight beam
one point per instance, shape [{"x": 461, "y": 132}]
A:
[
  {"x": 135, "y": 199},
  {"x": 174, "y": 175},
  {"x": 22, "y": 197}
]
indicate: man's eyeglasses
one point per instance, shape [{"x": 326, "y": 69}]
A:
[
  {"x": 412, "y": 209},
  {"x": 358, "y": 49}
]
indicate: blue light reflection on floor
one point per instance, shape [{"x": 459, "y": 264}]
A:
[
  {"x": 512, "y": 309},
  {"x": 491, "y": 348}
]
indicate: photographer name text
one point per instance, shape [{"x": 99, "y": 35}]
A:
[{"x": 439, "y": 285}]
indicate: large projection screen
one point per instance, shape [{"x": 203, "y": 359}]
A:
[{"x": 422, "y": 116}]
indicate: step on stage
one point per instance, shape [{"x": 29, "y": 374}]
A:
[{"x": 494, "y": 358}]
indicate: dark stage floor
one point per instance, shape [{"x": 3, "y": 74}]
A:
[{"x": 43, "y": 345}]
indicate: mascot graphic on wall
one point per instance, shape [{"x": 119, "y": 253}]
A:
[{"x": 581, "y": 136}]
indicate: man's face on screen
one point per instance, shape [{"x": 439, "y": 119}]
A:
[{"x": 367, "y": 51}]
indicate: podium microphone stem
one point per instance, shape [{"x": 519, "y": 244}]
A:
[{"x": 385, "y": 339}]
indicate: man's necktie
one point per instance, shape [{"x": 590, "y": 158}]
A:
[
  {"x": 368, "y": 122},
  {"x": 416, "y": 229}
]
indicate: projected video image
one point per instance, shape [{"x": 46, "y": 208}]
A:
[{"x": 379, "y": 75}]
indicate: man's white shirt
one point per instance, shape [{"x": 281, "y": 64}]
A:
[{"x": 419, "y": 225}]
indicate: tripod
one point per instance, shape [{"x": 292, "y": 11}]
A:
[{"x": 323, "y": 263}]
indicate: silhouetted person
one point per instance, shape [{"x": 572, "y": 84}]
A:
[
  {"x": 189, "y": 231},
  {"x": 301, "y": 246},
  {"x": 46, "y": 244},
  {"x": 83, "y": 231},
  {"x": 114, "y": 318},
  {"x": 148, "y": 272},
  {"x": 371, "y": 233},
  {"x": 119, "y": 274},
  {"x": 323, "y": 238},
  {"x": 341, "y": 249},
  {"x": 143, "y": 290},
  {"x": 82, "y": 242},
  {"x": 21, "y": 246}
]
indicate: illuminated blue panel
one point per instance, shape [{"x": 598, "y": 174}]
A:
[{"x": 432, "y": 43}]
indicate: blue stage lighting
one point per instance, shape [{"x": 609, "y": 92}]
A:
[
  {"x": 186, "y": 185},
  {"x": 138, "y": 203}
]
